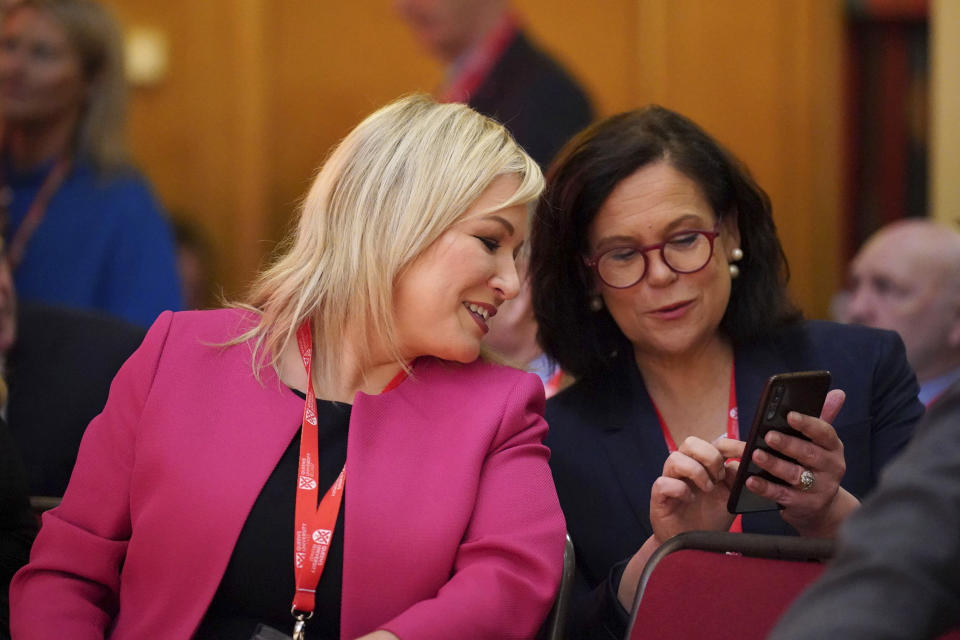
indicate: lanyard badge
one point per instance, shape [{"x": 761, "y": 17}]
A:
[{"x": 313, "y": 525}]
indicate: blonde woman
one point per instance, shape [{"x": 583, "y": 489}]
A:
[
  {"x": 84, "y": 228},
  {"x": 193, "y": 509}
]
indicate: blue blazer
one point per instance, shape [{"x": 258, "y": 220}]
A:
[{"x": 608, "y": 449}]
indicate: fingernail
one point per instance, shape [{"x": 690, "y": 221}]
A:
[{"x": 773, "y": 437}]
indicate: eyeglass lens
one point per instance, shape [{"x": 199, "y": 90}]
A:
[{"x": 684, "y": 253}]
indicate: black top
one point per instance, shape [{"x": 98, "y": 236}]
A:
[{"x": 258, "y": 585}]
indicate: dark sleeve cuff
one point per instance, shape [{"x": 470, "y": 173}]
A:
[
  {"x": 599, "y": 615},
  {"x": 618, "y": 616}
]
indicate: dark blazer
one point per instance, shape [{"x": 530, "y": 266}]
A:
[
  {"x": 538, "y": 102},
  {"x": 59, "y": 372},
  {"x": 608, "y": 449},
  {"x": 897, "y": 571}
]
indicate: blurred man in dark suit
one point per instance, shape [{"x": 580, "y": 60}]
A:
[
  {"x": 494, "y": 67},
  {"x": 497, "y": 70}
]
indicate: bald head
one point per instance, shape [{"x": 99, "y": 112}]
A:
[{"x": 906, "y": 278}]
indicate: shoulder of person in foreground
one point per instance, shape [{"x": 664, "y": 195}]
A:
[
  {"x": 895, "y": 574},
  {"x": 75, "y": 332},
  {"x": 78, "y": 353}
]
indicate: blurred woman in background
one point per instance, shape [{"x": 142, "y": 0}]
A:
[{"x": 84, "y": 228}]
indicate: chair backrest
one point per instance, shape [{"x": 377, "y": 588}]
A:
[
  {"x": 721, "y": 585},
  {"x": 555, "y": 627},
  {"x": 39, "y": 504}
]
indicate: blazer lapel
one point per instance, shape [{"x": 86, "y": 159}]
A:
[
  {"x": 632, "y": 441},
  {"x": 269, "y": 417}
]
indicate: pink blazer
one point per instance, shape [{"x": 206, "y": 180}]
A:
[{"x": 452, "y": 527}]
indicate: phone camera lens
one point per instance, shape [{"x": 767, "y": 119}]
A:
[{"x": 773, "y": 406}]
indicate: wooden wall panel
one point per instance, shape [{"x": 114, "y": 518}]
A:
[
  {"x": 259, "y": 90},
  {"x": 596, "y": 41},
  {"x": 332, "y": 63},
  {"x": 201, "y": 134},
  {"x": 944, "y": 107},
  {"x": 764, "y": 78}
]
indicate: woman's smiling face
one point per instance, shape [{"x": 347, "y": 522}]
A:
[
  {"x": 445, "y": 297},
  {"x": 667, "y": 313}
]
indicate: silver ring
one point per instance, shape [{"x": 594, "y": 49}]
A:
[{"x": 807, "y": 480}]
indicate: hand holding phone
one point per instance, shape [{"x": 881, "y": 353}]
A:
[{"x": 803, "y": 392}]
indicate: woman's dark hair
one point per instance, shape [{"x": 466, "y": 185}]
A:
[{"x": 587, "y": 170}]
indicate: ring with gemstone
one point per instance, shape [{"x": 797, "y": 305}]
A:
[{"x": 807, "y": 480}]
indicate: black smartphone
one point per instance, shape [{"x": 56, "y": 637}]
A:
[{"x": 803, "y": 392}]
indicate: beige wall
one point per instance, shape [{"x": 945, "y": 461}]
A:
[
  {"x": 945, "y": 111},
  {"x": 258, "y": 90}
]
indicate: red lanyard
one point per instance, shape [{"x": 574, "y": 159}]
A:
[
  {"x": 552, "y": 386},
  {"x": 733, "y": 431},
  {"x": 37, "y": 211},
  {"x": 313, "y": 525},
  {"x": 936, "y": 397},
  {"x": 479, "y": 63}
]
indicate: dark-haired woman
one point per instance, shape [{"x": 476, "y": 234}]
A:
[{"x": 659, "y": 282}]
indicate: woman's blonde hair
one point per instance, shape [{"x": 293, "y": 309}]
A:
[
  {"x": 98, "y": 41},
  {"x": 400, "y": 179}
]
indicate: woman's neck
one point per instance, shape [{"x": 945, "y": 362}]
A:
[
  {"x": 31, "y": 144},
  {"x": 691, "y": 393},
  {"x": 351, "y": 377},
  {"x": 688, "y": 376}
]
